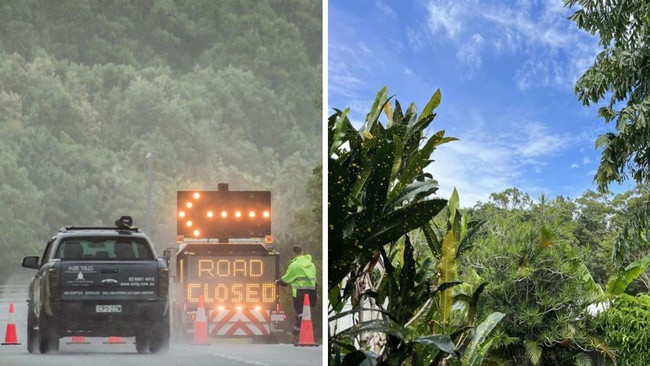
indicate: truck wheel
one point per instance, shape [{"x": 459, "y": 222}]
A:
[
  {"x": 48, "y": 338},
  {"x": 142, "y": 339},
  {"x": 160, "y": 337},
  {"x": 32, "y": 332}
]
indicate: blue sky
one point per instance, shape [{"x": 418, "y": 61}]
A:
[{"x": 506, "y": 71}]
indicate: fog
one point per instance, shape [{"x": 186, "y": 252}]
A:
[{"x": 108, "y": 109}]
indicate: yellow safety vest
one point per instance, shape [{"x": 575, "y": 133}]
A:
[{"x": 301, "y": 274}]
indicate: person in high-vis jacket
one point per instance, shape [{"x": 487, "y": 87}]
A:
[{"x": 301, "y": 275}]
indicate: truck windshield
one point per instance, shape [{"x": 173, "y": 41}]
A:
[{"x": 103, "y": 248}]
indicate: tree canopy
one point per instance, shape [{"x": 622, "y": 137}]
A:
[
  {"x": 217, "y": 91},
  {"x": 620, "y": 78}
]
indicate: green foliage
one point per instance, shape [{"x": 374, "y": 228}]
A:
[
  {"x": 89, "y": 88},
  {"x": 365, "y": 209},
  {"x": 406, "y": 290},
  {"x": 537, "y": 277},
  {"x": 377, "y": 188},
  {"x": 633, "y": 236},
  {"x": 619, "y": 73},
  {"x": 378, "y": 196},
  {"x": 478, "y": 348},
  {"x": 625, "y": 328},
  {"x": 378, "y": 193},
  {"x": 619, "y": 282},
  {"x": 447, "y": 242}
]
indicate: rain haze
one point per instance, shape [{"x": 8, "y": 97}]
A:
[{"x": 110, "y": 109}]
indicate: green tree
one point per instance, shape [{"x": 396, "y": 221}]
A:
[
  {"x": 595, "y": 230},
  {"x": 537, "y": 276},
  {"x": 90, "y": 88},
  {"x": 620, "y": 76}
]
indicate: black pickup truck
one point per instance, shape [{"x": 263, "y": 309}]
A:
[{"x": 98, "y": 282}]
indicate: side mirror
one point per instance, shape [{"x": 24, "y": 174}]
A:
[
  {"x": 168, "y": 254},
  {"x": 164, "y": 260},
  {"x": 30, "y": 262}
]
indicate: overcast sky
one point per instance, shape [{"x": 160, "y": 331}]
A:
[{"x": 506, "y": 70}]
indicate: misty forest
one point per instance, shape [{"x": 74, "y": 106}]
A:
[{"x": 216, "y": 92}]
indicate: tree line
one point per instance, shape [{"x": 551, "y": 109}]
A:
[{"x": 216, "y": 91}]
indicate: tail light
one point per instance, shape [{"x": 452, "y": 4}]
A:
[
  {"x": 163, "y": 281},
  {"x": 54, "y": 282}
]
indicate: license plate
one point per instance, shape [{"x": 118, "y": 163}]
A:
[{"x": 108, "y": 308}]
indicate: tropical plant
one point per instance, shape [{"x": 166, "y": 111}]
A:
[
  {"x": 378, "y": 194},
  {"x": 377, "y": 188},
  {"x": 454, "y": 310},
  {"x": 447, "y": 242}
]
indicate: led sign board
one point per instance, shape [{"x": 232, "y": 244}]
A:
[
  {"x": 231, "y": 280},
  {"x": 223, "y": 215}
]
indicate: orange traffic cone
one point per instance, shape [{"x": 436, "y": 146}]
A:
[
  {"x": 200, "y": 325},
  {"x": 10, "y": 335},
  {"x": 114, "y": 340},
  {"x": 78, "y": 340},
  {"x": 306, "y": 337}
]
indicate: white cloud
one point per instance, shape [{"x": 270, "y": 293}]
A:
[
  {"x": 363, "y": 48},
  {"x": 385, "y": 9},
  {"x": 513, "y": 29},
  {"x": 469, "y": 52},
  {"x": 475, "y": 168},
  {"x": 344, "y": 66},
  {"x": 537, "y": 141},
  {"x": 446, "y": 17},
  {"x": 416, "y": 37},
  {"x": 483, "y": 162}
]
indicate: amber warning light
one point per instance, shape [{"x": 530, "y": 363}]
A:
[{"x": 223, "y": 215}]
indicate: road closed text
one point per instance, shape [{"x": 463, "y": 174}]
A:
[{"x": 231, "y": 281}]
